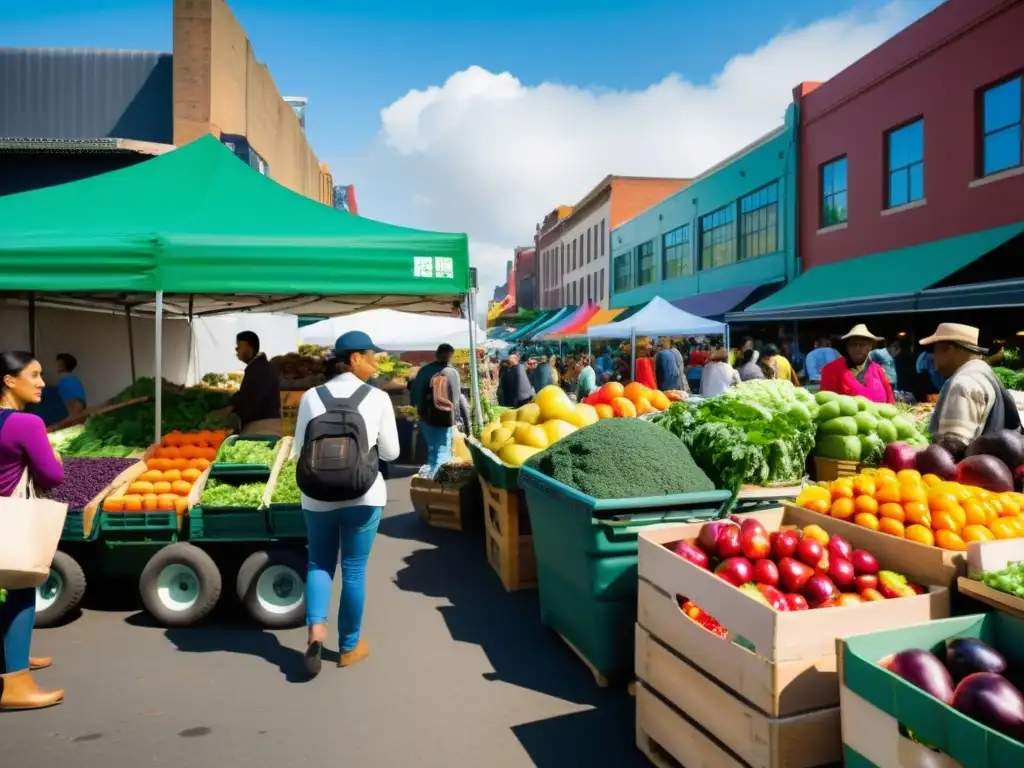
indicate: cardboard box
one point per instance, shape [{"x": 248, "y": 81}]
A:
[{"x": 786, "y": 662}]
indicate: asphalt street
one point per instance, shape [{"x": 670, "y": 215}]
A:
[{"x": 461, "y": 674}]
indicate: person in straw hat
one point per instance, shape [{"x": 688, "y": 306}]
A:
[
  {"x": 855, "y": 373},
  {"x": 972, "y": 402}
]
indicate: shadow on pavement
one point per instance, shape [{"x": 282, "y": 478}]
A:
[
  {"x": 248, "y": 642},
  {"x": 522, "y": 652}
]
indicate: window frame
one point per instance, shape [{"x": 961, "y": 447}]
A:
[
  {"x": 646, "y": 250},
  {"x": 626, "y": 257},
  {"x": 686, "y": 257},
  {"x": 770, "y": 229},
  {"x": 729, "y": 223},
  {"x": 823, "y": 196},
  {"x": 983, "y": 134},
  {"x": 890, "y": 171}
]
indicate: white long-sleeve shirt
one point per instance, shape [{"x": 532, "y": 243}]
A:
[{"x": 381, "y": 430}]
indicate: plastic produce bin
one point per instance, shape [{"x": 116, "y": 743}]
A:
[
  {"x": 490, "y": 468},
  {"x": 287, "y": 521},
  {"x": 228, "y": 524},
  {"x": 255, "y": 472},
  {"x": 586, "y": 552},
  {"x": 145, "y": 526}
]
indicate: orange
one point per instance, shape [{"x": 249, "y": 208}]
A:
[
  {"x": 624, "y": 409},
  {"x": 977, "y": 533},
  {"x": 132, "y": 503},
  {"x": 884, "y": 473},
  {"x": 821, "y": 506},
  {"x": 892, "y": 511},
  {"x": 166, "y": 501},
  {"x": 931, "y": 480},
  {"x": 611, "y": 390},
  {"x": 841, "y": 488},
  {"x": 604, "y": 411},
  {"x": 958, "y": 515},
  {"x": 866, "y": 521},
  {"x": 888, "y": 492},
  {"x": 891, "y": 527},
  {"x": 161, "y": 486},
  {"x": 865, "y": 504},
  {"x": 159, "y": 464},
  {"x": 1004, "y": 528},
  {"x": 204, "y": 464},
  {"x": 909, "y": 475},
  {"x": 1014, "y": 499},
  {"x": 113, "y": 504},
  {"x": 149, "y": 501},
  {"x": 920, "y": 534},
  {"x": 913, "y": 492},
  {"x": 842, "y": 509},
  {"x": 940, "y": 499},
  {"x": 809, "y": 492},
  {"x": 179, "y": 464},
  {"x": 965, "y": 492},
  {"x": 974, "y": 512},
  {"x": 917, "y": 513},
  {"x": 171, "y": 475},
  {"x": 949, "y": 540},
  {"x": 864, "y": 485},
  {"x": 945, "y": 521}
]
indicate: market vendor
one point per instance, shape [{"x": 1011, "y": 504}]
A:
[
  {"x": 65, "y": 399},
  {"x": 257, "y": 404},
  {"x": 972, "y": 402},
  {"x": 854, "y": 373},
  {"x": 514, "y": 389}
]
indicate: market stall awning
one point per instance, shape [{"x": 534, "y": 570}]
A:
[
  {"x": 394, "y": 331},
  {"x": 537, "y": 322},
  {"x": 881, "y": 283},
  {"x": 577, "y": 319},
  {"x": 987, "y": 295},
  {"x": 600, "y": 317},
  {"x": 715, "y": 303},
  {"x": 197, "y": 223},
  {"x": 554, "y": 319},
  {"x": 658, "y": 318}
]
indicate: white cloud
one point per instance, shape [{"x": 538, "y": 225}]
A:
[{"x": 485, "y": 154}]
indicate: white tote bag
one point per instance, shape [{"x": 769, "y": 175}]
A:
[{"x": 30, "y": 530}]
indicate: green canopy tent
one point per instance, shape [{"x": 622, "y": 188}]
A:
[{"x": 197, "y": 232}]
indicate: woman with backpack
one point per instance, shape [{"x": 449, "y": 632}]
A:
[{"x": 344, "y": 428}]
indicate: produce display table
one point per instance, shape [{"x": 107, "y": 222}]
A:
[
  {"x": 509, "y": 538},
  {"x": 586, "y": 551},
  {"x": 453, "y": 507},
  {"x": 491, "y": 469}
]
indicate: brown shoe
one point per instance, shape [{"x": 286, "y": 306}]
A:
[
  {"x": 357, "y": 654},
  {"x": 19, "y": 691},
  {"x": 39, "y": 662}
]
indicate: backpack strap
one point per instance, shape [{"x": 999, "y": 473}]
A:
[
  {"x": 361, "y": 393},
  {"x": 331, "y": 402}
]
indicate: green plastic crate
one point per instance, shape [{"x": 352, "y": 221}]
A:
[
  {"x": 220, "y": 469},
  {"x": 228, "y": 524},
  {"x": 932, "y": 722},
  {"x": 491, "y": 469},
  {"x": 287, "y": 521},
  {"x": 153, "y": 526},
  {"x": 586, "y": 552},
  {"x": 74, "y": 529}
]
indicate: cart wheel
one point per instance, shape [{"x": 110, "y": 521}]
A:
[
  {"x": 62, "y": 591},
  {"x": 272, "y": 587},
  {"x": 180, "y": 585}
]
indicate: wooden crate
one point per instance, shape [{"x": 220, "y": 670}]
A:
[
  {"x": 441, "y": 506},
  {"x": 833, "y": 469},
  {"x": 781, "y": 663},
  {"x": 508, "y": 540},
  {"x": 805, "y": 740}
]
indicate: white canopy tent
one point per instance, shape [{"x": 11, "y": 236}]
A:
[{"x": 393, "y": 330}]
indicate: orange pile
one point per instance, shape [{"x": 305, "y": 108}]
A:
[
  {"x": 927, "y": 510},
  {"x": 170, "y": 474},
  {"x": 613, "y": 400}
]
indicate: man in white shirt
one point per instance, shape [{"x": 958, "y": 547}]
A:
[{"x": 351, "y": 526}]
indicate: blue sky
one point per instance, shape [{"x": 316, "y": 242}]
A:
[{"x": 488, "y": 154}]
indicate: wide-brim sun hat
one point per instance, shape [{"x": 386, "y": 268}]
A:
[
  {"x": 860, "y": 331},
  {"x": 965, "y": 336}
]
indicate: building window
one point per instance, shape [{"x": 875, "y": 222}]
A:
[
  {"x": 645, "y": 263},
  {"x": 1001, "y": 126},
  {"x": 581, "y": 290},
  {"x": 600, "y": 283},
  {"x": 718, "y": 238},
  {"x": 675, "y": 253},
  {"x": 602, "y": 237},
  {"x": 833, "y": 192},
  {"x": 589, "y": 234},
  {"x": 904, "y": 149},
  {"x": 759, "y": 222},
  {"x": 622, "y": 272},
  {"x": 574, "y": 253}
]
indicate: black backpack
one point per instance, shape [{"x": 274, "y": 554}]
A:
[{"x": 336, "y": 462}]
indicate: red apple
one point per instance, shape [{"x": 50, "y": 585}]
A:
[
  {"x": 707, "y": 539},
  {"x": 766, "y": 572},
  {"x": 687, "y": 551},
  {"x": 871, "y": 594},
  {"x": 774, "y": 597},
  {"x": 754, "y": 540},
  {"x": 863, "y": 561},
  {"x": 820, "y": 588},
  {"x": 917, "y": 588},
  {"x": 865, "y": 581},
  {"x": 796, "y": 602},
  {"x": 848, "y": 598},
  {"x": 735, "y": 570},
  {"x": 793, "y": 574},
  {"x": 833, "y": 603},
  {"x": 838, "y": 546},
  {"x": 728, "y": 544},
  {"x": 785, "y": 544},
  {"x": 810, "y": 551},
  {"x": 841, "y": 572}
]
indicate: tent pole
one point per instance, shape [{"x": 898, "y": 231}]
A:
[
  {"x": 474, "y": 378},
  {"x": 158, "y": 373},
  {"x": 728, "y": 335},
  {"x": 131, "y": 340},
  {"x": 632, "y": 346},
  {"x": 32, "y": 327}
]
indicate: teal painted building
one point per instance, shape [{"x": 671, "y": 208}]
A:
[{"x": 730, "y": 232}]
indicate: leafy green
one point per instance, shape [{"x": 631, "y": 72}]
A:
[
  {"x": 247, "y": 452},
  {"x": 219, "y": 494},
  {"x": 1010, "y": 379},
  {"x": 1009, "y": 580},
  {"x": 287, "y": 490}
]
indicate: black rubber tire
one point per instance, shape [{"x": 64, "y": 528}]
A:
[
  {"x": 248, "y": 577},
  {"x": 207, "y": 575},
  {"x": 70, "y": 597}
]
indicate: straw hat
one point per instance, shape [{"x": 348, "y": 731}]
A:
[
  {"x": 965, "y": 336},
  {"x": 860, "y": 331}
]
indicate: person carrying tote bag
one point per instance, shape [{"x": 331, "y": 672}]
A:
[{"x": 29, "y": 528}]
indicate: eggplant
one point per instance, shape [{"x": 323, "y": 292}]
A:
[
  {"x": 985, "y": 471},
  {"x": 1006, "y": 445},
  {"x": 967, "y": 655},
  {"x": 936, "y": 460},
  {"x": 992, "y": 700},
  {"x": 923, "y": 670}
]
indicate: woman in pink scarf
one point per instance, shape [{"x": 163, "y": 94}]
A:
[{"x": 854, "y": 373}]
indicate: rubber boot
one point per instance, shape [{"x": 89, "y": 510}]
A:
[
  {"x": 357, "y": 654},
  {"x": 36, "y": 663},
  {"x": 19, "y": 691}
]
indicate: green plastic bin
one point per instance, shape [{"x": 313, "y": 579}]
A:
[
  {"x": 74, "y": 528},
  {"x": 228, "y": 524},
  {"x": 586, "y": 552},
  {"x": 251, "y": 472},
  {"x": 287, "y": 521},
  {"x": 491, "y": 469},
  {"x": 139, "y": 526},
  {"x": 966, "y": 741}
]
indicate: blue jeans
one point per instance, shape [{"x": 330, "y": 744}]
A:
[
  {"x": 17, "y": 617},
  {"x": 439, "y": 446},
  {"x": 352, "y": 531}
]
